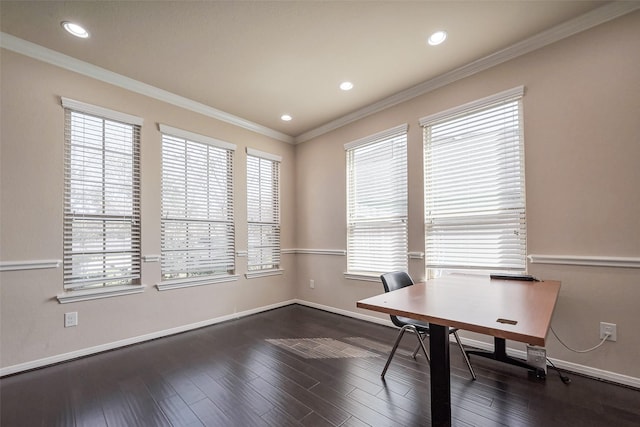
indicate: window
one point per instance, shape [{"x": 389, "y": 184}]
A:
[
  {"x": 197, "y": 234},
  {"x": 263, "y": 211},
  {"x": 101, "y": 199},
  {"x": 474, "y": 187},
  {"x": 377, "y": 204}
]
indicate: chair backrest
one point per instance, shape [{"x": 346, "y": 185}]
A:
[
  {"x": 396, "y": 280},
  {"x": 391, "y": 282}
]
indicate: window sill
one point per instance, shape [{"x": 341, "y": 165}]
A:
[
  {"x": 364, "y": 277},
  {"x": 256, "y": 274},
  {"x": 91, "y": 294},
  {"x": 168, "y": 285}
]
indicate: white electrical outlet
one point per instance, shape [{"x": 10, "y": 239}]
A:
[
  {"x": 71, "y": 319},
  {"x": 608, "y": 328},
  {"x": 312, "y": 284}
]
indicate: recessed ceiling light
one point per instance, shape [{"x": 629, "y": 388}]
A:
[
  {"x": 346, "y": 85},
  {"x": 286, "y": 117},
  {"x": 437, "y": 38},
  {"x": 75, "y": 29}
]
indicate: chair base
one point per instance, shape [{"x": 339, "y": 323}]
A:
[
  {"x": 465, "y": 356},
  {"x": 395, "y": 346},
  {"x": 419, "y": 336}
]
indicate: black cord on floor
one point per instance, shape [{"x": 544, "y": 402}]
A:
[{"x": 565, "y": 379}]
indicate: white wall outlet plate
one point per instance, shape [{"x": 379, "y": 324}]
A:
[
  {"x": 611, "y": 329},
  {"x": 71, "y": 319}
]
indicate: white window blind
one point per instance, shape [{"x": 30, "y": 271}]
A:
[
  {"x": 263, "y": 211},
  {"x": 474, "y": 187},
  {"x": 101, "y": 197},
  {"x": 377, "y": 203},
  {"x": 197, "y": 223}
]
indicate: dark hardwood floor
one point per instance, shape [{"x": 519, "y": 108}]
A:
[{"x": 230, "y": 375}]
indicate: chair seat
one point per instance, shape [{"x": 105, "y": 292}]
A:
[
  {"x": 417, "y": 323},
  {"x": 421, "y": 326}
]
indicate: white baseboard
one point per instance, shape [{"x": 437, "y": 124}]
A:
[
  {"x": 39, "y": 363},
  {"x": 562, "y": 364},
  {"x": 372, "y": 319}
]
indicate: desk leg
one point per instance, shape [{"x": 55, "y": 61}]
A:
[
  {"x": 500, "y": 354},
  {"x": 440, "y": 375}
]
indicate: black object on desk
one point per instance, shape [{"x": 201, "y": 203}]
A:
[{"x": 525, "y": 277}]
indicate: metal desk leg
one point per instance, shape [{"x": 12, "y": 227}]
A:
[
  {"x": 500, "y": 354},
  {"x": 440, "y": 375}
]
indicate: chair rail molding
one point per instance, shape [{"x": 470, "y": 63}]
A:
[
  {"x": 29, "y": 265},
  {"x": 590, "y": 261}
]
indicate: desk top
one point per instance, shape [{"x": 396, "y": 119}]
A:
[{"x": 477, "y": 304}]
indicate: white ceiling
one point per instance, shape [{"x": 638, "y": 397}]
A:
[{"x": 257, "y": 60}]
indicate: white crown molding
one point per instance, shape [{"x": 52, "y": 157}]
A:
[
  {"x": 29, "y": 265},
  {"x": 581, "y": 23},
  {"x": 589, "y": 261},
  {"x": 41, "y": 53},
  {"x": 589, "y": 20}
]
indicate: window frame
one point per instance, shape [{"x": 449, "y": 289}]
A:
[
  {"x": 264, "y": 212},
  {"x": 389, "y": 220},
  {"x": 506, "y": 212},
  {"x": 117, "y": 208},
  {"x": 196, "y": 212}
]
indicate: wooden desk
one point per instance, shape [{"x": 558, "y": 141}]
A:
[{"x": 477, "y": 304}]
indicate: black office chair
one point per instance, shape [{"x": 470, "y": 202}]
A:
[{"x": 398, "y": 280}]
